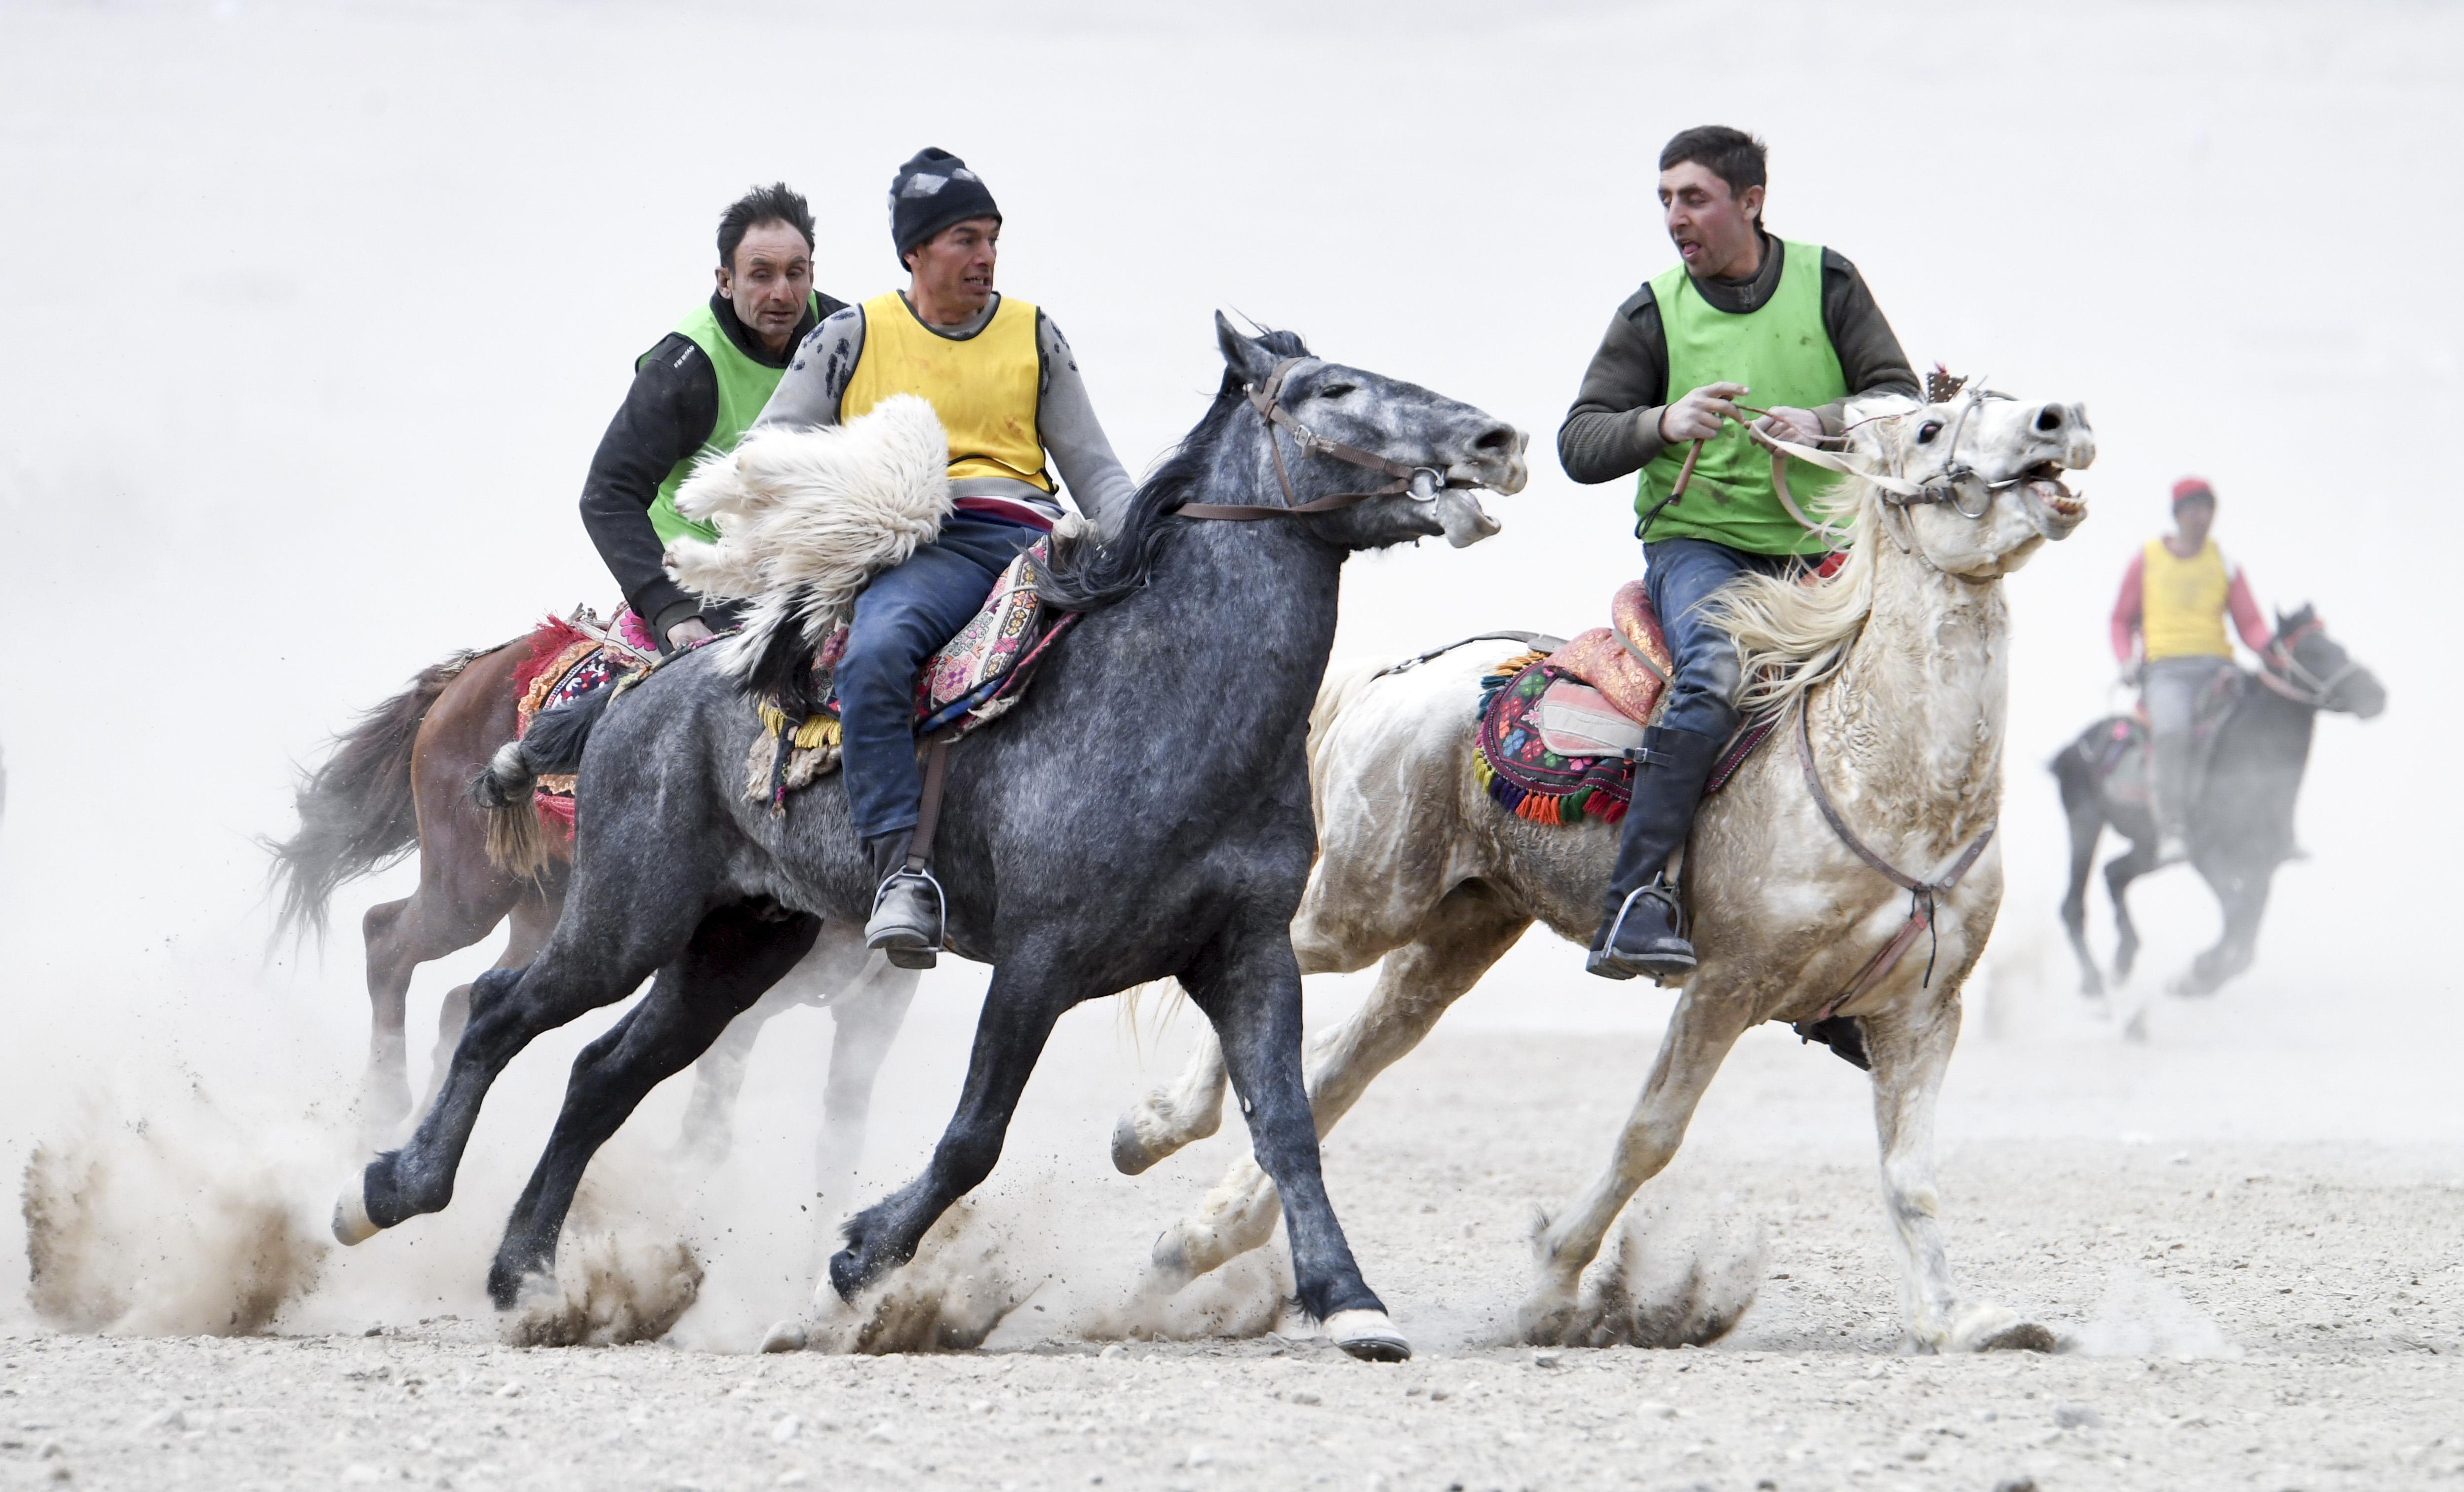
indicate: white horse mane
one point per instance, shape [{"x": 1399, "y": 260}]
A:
[{"x": 1791, "y": 637}]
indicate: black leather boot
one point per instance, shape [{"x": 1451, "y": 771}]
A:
[
  {"x": 907, "y": 910},
  {"x": 1643, "y": 928}
]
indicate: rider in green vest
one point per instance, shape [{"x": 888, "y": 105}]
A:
[
  {"x": 699, "y": 390},
  {"x": 1786, "y": 326}
]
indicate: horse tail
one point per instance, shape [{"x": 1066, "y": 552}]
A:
[
  {"x": 2074, "y": 767},
  {"x": 356, "y": 815},
  {"x": 505, "y": 787}
]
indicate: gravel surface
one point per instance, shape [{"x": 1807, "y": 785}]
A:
[{"x": 2258, "y": 1315}]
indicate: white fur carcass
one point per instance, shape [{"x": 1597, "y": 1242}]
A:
[{"x": 806, "y": 516}]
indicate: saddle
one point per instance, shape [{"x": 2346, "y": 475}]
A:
[
  {"x": 570, "y": 657},
  {"x": 1557, "y": 728},
  {"x": 2119, "y": 757},
  {"x": 977, "y": 676}
]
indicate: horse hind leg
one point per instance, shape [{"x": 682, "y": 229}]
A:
[
  {"x": 1466, "y": 933},
  {"x": 1026, "y": 998},
  {"x": 1700, "y": 1030},
  {"x": 594, "y": 959},
  {"x": 735, "y": 954},
  {"x": 1910, "y": 1053},
  {"x": 2086, "y": 826},
  {"x": 2118, "y": 873},
  {"x": 864, "y": 1023}
]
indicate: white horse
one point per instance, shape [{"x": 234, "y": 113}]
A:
[{"x": 1897, "y": 666}]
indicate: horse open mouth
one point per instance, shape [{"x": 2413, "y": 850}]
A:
[
  {"x": 1458, "y": 511},
  {"x": 2044, "y": 483}
]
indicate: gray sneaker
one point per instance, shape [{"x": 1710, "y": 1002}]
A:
[{"x": 907, "y": 919}]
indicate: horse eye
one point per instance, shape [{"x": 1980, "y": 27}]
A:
[
  {"x": 1932, "y": 428},
  {"x": 1336, "y": 390}
]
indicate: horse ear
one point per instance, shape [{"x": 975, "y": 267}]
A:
[{"x": 1248, "y": 361}]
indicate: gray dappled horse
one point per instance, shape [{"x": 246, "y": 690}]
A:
[
  {"x": 2241, "y": 814},
  {"x": 1143, "y": 814}
]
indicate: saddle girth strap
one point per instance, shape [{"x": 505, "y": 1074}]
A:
[{"x": 1922, "y": 894}]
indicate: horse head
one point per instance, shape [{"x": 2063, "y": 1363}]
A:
[
  {"x": 2306, "y": 658},
  {"x": 1973, "y": 481},
  {"x": 1326, "y": 417}
]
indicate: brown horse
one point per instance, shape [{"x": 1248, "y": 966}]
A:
[{"x": 398, "y": 781}]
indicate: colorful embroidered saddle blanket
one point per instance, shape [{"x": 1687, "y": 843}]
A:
[
  {"x": 564, "y": 663},
  {"x": 977, "y": 676},
  {"x": 1555, "y": 726}
]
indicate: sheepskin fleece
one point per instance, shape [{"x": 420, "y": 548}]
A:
[{"x": 805, "y": 518}]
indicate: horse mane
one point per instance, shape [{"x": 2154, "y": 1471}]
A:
[
  {"x": 1791, "y": 637},
  {"x": 1096, "y": 570}
]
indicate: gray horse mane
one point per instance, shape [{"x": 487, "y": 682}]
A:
[{"x": 1092, "y": 572}]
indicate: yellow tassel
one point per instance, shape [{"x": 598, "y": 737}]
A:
[{"x": 819, "y": 730}]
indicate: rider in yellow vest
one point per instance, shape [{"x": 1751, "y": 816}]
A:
[
  {"x": 699, "y": 390},
  {"x": 2169, "y": 631},
  {"x": 1745, "y": 314},
  {"x": 1008, "y": 391}
]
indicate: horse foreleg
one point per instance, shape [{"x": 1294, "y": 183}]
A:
[
  {"x": 2242, "y": 901},
  {"x": 1910, "y": 1051},
  {"x": 1170, "y": 1118},
  {"x": 736, "y": 953},
  {"x": 1249, "y": 985},
  {"x": 533, "y": 919},
  {"x": 1700, "y": 1030},
  {"x": 433, "y": 921},
  {"x": 1466, "y": 933}
]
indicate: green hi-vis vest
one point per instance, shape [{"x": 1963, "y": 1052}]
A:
[
  {"x": 1782, "y": 354},
  {"x": 744, "y": 386}
]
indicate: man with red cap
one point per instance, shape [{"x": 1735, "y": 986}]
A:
[{"x": 2169, "y": 634}]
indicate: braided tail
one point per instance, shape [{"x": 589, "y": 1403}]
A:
[{"x": 505, "y": 791}]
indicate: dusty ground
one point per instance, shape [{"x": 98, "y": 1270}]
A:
[{"x": 2243, "y": 1314}]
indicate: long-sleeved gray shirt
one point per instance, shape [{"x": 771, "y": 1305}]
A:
[
  {"x": 1614, "y": 427},
  {"x": 1064, "y": 418}
]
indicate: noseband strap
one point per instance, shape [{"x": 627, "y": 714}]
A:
[{"x": 1267, "y": 401}]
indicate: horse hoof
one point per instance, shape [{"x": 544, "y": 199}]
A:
[
  {"x": 1368, "y": 1335},
  {"x": 1129, "y": 1153},
  {"x": 352, "y": 1224},
  {"x": 786, "y": 1336},
  {"x": 2020, "y": 1336}
]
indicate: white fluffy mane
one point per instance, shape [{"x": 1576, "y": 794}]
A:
[{"x": 805, "y": 518}]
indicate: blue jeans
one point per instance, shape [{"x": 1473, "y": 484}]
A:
[
  {"x": 902, "y": 619},
  {"x": 1680, "y": 573}
]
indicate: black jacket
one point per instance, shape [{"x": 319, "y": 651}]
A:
[
  {"x": 667, "y": 413},
  {"x": 1614, "y": 427}
]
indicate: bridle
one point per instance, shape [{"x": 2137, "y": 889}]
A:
[
  {"x": 1423, "y": 483},
  {"x": 2297, "y": 676},
  {"x": 1943, "y": 488}
]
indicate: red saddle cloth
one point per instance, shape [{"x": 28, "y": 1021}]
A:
[{"x": 1626, "y": 662}]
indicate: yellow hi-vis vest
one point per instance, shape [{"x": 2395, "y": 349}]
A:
[
  {"x": 984, "y": 388},
  {"x": 2182, "y": 602}
]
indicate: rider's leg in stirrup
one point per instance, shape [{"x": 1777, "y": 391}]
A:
[
  {"x": 2171, "y": 693},
  {"x": 1642, "y": 926},
  {"x": 901, "y": 620}
]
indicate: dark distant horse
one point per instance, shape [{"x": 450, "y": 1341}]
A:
[
  {"x": 2241, "y": 822},
  {"x": 1143, "y": 814},
  {"x": 398, "y": 781}
]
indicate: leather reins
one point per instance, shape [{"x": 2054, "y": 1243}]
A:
[
  {"x": 1267, "y": 400},
  {"x": 2279, "y": 652}
]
